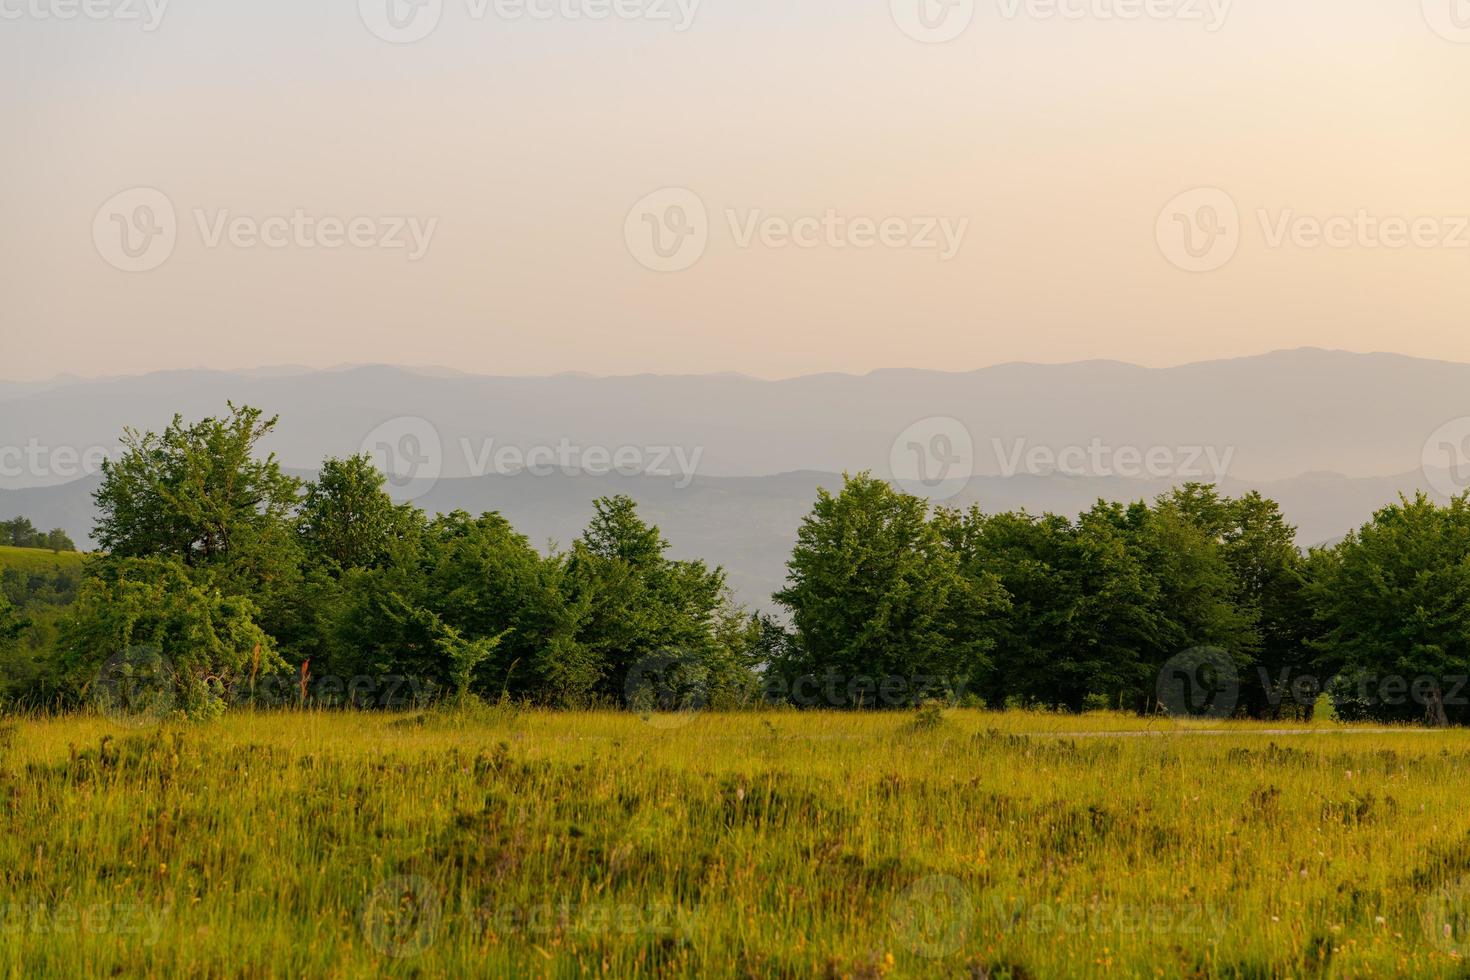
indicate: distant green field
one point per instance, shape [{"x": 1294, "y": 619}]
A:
[
  {"x": 782, "y": 844},
  {"x": 38, "y": 559}
]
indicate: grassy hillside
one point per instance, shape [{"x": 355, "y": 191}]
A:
[
  {"x": 38, "y": 559},
  {"x": 542, "y": 844}
]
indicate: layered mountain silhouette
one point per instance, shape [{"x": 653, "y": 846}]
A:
[{"x": 727, "y": 465}]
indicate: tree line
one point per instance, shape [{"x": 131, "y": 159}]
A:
[
  {"x": 238, "y": 583},
  {"x": 21, "y": 533}
]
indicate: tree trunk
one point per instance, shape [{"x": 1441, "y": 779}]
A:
[{"x": 1434, "y": 713}]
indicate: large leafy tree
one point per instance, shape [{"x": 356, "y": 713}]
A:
[
  {"x": 1192, "y": 586},
  {"x": 199, "y": 492},
  {"x": 1081, "y": 607},
  {"x": 464, "y": 603},
  {"x": 198, "y": 644},
  {"x": 874, "y": 594},
  {"x": 1268, "y": 569},
  {"x": 348, "y": 519},
  {"x": 640, "y": 612},
  {"x": 1394, "y": 602},
  {"x": 204, "y": 495}
]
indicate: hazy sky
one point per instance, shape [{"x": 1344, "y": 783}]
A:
[{"x": 1012, "y": 193}]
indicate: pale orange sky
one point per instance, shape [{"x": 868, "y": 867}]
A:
[{"x": 1055, "y": 143}]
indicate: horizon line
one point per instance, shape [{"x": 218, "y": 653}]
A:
[{"x": 275, "y": 371}]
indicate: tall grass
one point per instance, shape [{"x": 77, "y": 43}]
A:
[
  {"x": 505, "y": 842},
  {"x": 39, "y": 559}
]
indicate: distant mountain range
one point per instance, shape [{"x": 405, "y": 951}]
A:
[
  {"x": 736, "y": 461},
  {"x": 1284, "y": 414}
]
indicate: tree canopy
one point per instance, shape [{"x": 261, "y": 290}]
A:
[{"x": 240, "y": 579}]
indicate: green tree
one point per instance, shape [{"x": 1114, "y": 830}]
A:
[
  {"x": 1081, "y": 608},
  {"x": 21, "y": 533},
  {"x": 58, "y": 541},
  {"x": 1394, "y": 602},
  {"x": 204, "y": 495},
  {"x": 197, "y": 643},
  {"x": 18, "y": 533},
  {"x": 639, "y": 613},
  {"x": 1268, "y": 569},
  {"x": 197, "y": 492},
  {"x": 348, "y": 518},
  {"x": 1193, "y": 588},
  {"x": 475, "y": 576},
  {"x": 874, "y": 594}
]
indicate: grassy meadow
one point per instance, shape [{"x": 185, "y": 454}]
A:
[
  {"x": 38, "y": 559},
  {"x": 499, "y": 842}
]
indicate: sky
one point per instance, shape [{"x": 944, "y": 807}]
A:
[{"x": 758, "y": 186}]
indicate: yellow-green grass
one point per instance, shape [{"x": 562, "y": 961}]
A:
[
  {"x": 38, "y": 559},
  {"x": 507, "y": 843}
]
